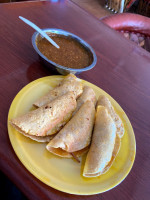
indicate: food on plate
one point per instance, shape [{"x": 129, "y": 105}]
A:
[
  {"x": 47, "y": 120},
  {"x": 104, "y": 146},
  {"x": 88, "y": 94},
  {"x": 104, "y": 101},
  {"x": 66, "y": 118},
  {"x": 71, "y": 54},
  {"x": 69, "y": 84},
  {"x": 74, "y": 138}
]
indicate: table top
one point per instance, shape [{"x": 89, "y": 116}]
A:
[{"x": 122, "y": 70}]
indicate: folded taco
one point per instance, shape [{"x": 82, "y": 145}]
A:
[
  {"x": 69, "y": 84},
  {"x": 74, "y": 138},
  {"x": 47, "y": 120},
  {"x": 104, "y": 146}
]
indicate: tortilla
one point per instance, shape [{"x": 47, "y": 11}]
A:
[
  {"x": 104, "y": 146},
  {"x": 88, "y": 94},
  {"x": 37, "y": 138},
  {"x": 46, "y": 120},
  {"x": 104, "y": 101},
  {"x": 69, "y": 84},
  {"x": 75, "y": 136}
]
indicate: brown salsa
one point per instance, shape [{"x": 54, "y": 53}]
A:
[{"x": 71, "y": 53}]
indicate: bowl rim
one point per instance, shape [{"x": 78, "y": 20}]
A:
[{"x": 63, "y": 32}]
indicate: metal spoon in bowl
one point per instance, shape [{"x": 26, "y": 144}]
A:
[{"x": 40, "y": 31}]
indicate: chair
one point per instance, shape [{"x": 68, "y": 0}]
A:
[{"x": 133, "y": 26}]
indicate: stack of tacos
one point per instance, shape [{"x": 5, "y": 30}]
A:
[{"x": 72, "y": 122}]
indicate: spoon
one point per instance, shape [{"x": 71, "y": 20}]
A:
[{"x": 39, "y": 30}]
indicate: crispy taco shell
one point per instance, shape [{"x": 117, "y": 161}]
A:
[
  {"x": 69, "y": 84},
  {"x": 76, "y": 134},
  {"x": 104, "y": 146},
  {"x": 48, "y": 119}
]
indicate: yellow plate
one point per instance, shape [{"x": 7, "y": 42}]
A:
[{"x": 60, "y": 173}]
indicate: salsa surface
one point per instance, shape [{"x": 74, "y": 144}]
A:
[{"x": 71, "y": 53}]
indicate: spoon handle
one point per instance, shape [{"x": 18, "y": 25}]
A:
[{"x": 39, "y": 30}]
